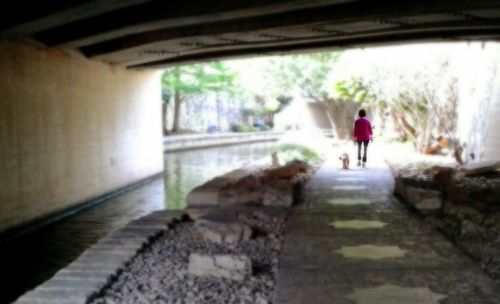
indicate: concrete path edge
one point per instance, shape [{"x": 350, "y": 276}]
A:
[{"x": 81, "y": 280}]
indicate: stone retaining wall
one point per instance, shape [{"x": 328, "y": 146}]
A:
[{"x": 465, "y": 208}]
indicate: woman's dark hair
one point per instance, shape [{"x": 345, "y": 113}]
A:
[{"x": 362, "y": 113}]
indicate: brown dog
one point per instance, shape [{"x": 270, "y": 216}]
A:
[{"x": 345, "y": 161}]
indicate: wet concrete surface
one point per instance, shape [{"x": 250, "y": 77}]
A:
[
  {"x": 32, "y": 258},
  {"x": 336, "y": 251}
]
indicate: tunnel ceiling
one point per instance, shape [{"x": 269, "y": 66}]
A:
[{"x": 141, "y": 33}]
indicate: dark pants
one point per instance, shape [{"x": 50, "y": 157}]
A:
[{"x": 365, "y": 145}]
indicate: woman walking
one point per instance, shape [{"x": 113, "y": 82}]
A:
[{"x": 362, "y": 135}]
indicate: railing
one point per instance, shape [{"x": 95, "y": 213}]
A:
[{"x": 196, "y": 141}]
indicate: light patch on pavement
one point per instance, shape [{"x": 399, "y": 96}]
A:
[
  {"x": 358, "y": 224},
  {"x": 350, "y": 179},
  {"x": 388, "y": 293},
  {"x": 350, "y": 201},
  {"x": 373, "y": 252},
  {"x": 349, "y": 187}
]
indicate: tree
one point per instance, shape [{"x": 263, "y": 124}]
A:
[
  {"x": 419, "y": 92},
  {"x": 283, "y": 102},
  {"x": 309, "y": 75},
  {"x": 304, "y": 74},
  {"x": 356, "y": 90},
  {"x": 166, "y": 95},
  {"x": 183, "y": 81}
]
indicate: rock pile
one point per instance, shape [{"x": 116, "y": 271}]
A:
[
  {"x": 180, "y": 266},
  {"x": 230, "y": 196},
  {"x": 249, "y": 188},
  {"x": 225, "y": 252},
  {"x": 221, "y": 207},
  {"x": 464, "y": 203}
]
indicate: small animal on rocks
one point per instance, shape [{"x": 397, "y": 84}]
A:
[{"x": 345, "y": 161}]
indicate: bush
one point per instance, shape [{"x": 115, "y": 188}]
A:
[
  {"x": 241, "y": 127},
  {"x": 291, "y": 151}
]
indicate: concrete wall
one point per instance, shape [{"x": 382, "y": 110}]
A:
[
  {"x": 491, "y": 150},
  {"x": 479, "y": 101},
  {"x": 71, "y": 129}
]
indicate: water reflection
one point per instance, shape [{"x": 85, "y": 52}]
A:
[{"x": 187, "y": 169}]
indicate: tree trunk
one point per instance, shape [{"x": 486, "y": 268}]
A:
[
  {"x": 397, "y": 126},
  {"x": 165, "y": 118},
  {"x": 177, "y": 110},
  {"x": 219, "y": 110},
  {"x": 382, "y": 115},
  {"x": 341, "y": 113},
  {"x": 410, "y": 131},
  {"x": 330, "y": 118}
]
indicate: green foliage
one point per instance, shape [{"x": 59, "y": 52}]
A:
[
  {"x": 255, "y": 112},
  {"x": 291, "y": 151},
  {"x": 355, "y": 89},
  {"x": 241, "y": 127},
  {"x": 307, "y": 74},
  {"x": 199, "y": 78},
  {"x": 284, "y": 101},
  {"x": 166, "y": 95}
]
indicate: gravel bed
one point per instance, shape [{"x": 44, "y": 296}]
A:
[{"x": 159, "y": 273}]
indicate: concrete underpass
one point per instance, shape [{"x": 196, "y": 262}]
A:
[{"x": 81, "y": 126}]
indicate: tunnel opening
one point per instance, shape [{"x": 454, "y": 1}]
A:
[{"x": 81, "y": 124}]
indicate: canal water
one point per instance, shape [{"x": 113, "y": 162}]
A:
[
  {"x": 185, "y": 170},
  {"x": 32, "y": 258}
]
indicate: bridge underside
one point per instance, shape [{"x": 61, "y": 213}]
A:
[
  {"x": 142, "y": 33},
  {"x": 74, "y": 129}
]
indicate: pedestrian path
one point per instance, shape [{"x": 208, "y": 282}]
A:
[{"x": 351, "y": 241}]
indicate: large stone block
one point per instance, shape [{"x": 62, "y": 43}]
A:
[
  {"x": 203, "y": 196},
  {"x": 221, "y": 228},
  {"x": 413, "y": 195},
  {"x": 246, "y": 191},
  {"x": 233, "y": 267},
  {"x": 424, "y": 200},
  {"x": 429, "y": 204},
  {"x": 278, "y": 193},
  {"x": 399, "y": 187}
]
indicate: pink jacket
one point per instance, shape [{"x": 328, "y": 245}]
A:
[{"x": 362, "y": 129}]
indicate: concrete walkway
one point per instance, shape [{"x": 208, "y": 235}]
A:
[{"x": 350, "y": 241}]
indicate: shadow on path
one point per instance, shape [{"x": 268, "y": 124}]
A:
[{"x": 351, "y": 241}]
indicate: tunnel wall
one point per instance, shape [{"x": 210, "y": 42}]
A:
[
  {"x": 479, "y": 101},
  {"x": 491, "y": 149},
  {"x": 71, "y": 130}
]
